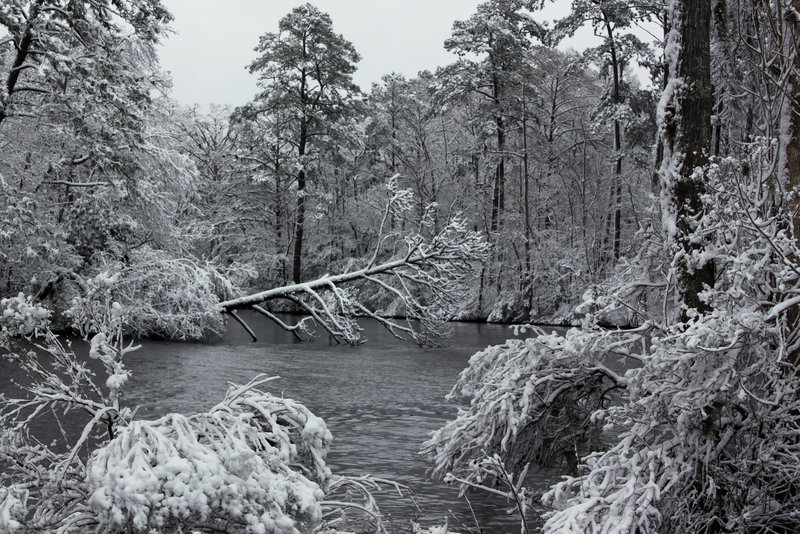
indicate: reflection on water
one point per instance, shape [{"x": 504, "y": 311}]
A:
[{"x": 380, "y": 401}]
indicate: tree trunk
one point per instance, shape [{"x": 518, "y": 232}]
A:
[
  {"x": 655, "y": 182},
  {"x": 498, "y": 194},
  {"x": 299, "y": 220},
  {"x": 688, "y": 135},
  {"x": 19, "y": 60},
  {"x": 278, "y": 194},
  {"x": 526, "y": 206},
  {"x": 793, "y": 172},
  {"x": 793, "y": 145},
  {"x": 616, "y": 98}
]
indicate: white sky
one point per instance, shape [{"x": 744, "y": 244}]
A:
[{"x": 214, "y": 40}]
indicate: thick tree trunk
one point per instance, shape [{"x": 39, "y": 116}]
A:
[
  {"x": 793, "y": 171},
  {"x": 689, "y": 137},
  {"x": 793, "y": 146}
]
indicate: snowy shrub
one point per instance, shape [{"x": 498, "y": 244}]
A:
[
  {"x": 42, "y": 476},
  {"x": 253, "y": 463},
  {"x": 169, "y": 297},
  {"x": 21, "y": 317},
  {"x": 33, "y": 250},
  {"x": 94, "y": 224},
  {"x": 711, "y": 419},
  {"x": 350, "y": 504},
  {"x": 530, "y": 401}
]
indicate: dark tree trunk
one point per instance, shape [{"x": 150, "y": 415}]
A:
[
  {"x": 300, "y": 212},
  {"x": 23, "y": 50},
  {"x": 278, "y": 194},
  {"x": 688, "y": 134},
  {"x": 793, "y": 177},
  {"x": 498, "y": 194},
  {"x": 793, "y": 145},
  {"x": 300, "y": 216},
  {"x": 616, "y": 97}
]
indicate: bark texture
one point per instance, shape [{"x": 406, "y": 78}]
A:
[{"x": 690, "y": 137}]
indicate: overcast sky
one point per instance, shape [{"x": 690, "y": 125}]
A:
[{"x": 214, "y": 40}]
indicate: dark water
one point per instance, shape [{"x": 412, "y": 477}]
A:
[{"x": 380, "y": 400}]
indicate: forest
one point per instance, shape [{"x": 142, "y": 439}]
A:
[{"x": 522, "y": 183}]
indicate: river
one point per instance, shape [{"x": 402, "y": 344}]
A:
[{"x": 380, "y": 400}]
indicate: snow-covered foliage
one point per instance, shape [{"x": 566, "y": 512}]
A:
[
  {"x": 350, "y": 504},
  {"x": 93, "y": 44},
  {"x": 165, "y": 296},
  {"x": 21, "y": 317},
  {"x": 253, "y": 463},
  {"x": 702, "y": 426},
  {"x": 42, "y": 478},
  {"x": 33, "y": 250},
  {"x": 530, "y": 400}
]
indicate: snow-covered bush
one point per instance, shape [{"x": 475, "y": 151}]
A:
[
  {"x": 168, "y": 297},
  {"x": 21, "y": 317},
  {"x": 253, "y": 463},
  {"x": 711, "y": 419},
  {"x": 530, "y": 400},
  {"x": 33, "y": 250}
]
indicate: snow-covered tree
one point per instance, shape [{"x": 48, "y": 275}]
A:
[
  {"x": 498, "y": 33},
  {"x": 412, "y": 282},
  {"x": 305, "y": 75},
  {"x": 56, "y": 51},
  {"x": 609, "y": 20}
]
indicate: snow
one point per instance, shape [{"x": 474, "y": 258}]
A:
[
  {"x": 241, "y": 462},
  {"x": 21, "y": 317},
  {"x": 12, "y": 510}
]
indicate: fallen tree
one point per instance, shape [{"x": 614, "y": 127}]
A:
[{"x": 412, "y": 283}]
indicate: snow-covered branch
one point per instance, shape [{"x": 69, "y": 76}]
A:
[{"x": 533, "y": 400}]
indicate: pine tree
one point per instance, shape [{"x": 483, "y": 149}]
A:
[{"x": 305, "y": 73}]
